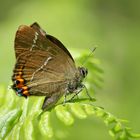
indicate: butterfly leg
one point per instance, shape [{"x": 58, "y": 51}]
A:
[
  {"x": 65, "y": 98},
  {"x": 49, "y": 102},
  {"x": 87, "y": 92},
  {"x": 76, "y": 93}
]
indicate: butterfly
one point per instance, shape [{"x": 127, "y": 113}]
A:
[{"x": 44, "y": 67}]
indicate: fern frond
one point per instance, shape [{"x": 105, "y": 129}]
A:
[{"x": 29, "y": 122}]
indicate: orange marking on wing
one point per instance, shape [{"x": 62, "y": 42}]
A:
[
  {"x": 21, "y": 82},
  {"x": 19, "y": 85},
  {"x": 18, "y": 77},
  {"x": 25, "y": 87},
  {"x": 26, "y": 93},
  {"x": 19, "y": 73}
]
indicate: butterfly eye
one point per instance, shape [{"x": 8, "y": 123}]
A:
[{"x": 83, "y": 72}]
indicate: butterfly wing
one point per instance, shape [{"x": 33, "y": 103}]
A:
[{"x": 43, "y": 65}]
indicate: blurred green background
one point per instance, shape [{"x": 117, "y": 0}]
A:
[{"x": 112, "y": 26}]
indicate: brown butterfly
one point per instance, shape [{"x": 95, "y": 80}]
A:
[{"x": 44, "y": 67}]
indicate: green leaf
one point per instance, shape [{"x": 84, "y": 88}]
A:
[
  {"x": 15, "y": 133},
  {"x": 123, "y": 136},
  {"x": 89, "y": 109},
  {"x": 118, "y": 127},
  {"x": 8, "y": 121},
  {"x": 45, "y": 125},
  {"x": 132, "y": 135},
  {"x": 100, "y": 112},
  {"x": 77, "y": 110},
  {"x": 109, "y": 118},
  {"x": 64, "y": 115},
  {"x": 111, "y": 133},
  {"x": 27, "y": 129}
]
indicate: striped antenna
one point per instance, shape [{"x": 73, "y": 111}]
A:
[{"x": 93, "y": 49}]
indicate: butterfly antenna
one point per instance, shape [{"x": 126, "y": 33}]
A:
[{"x": 89, "y": 55}]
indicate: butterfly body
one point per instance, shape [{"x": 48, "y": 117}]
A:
[{"x": 44, "y": 67}]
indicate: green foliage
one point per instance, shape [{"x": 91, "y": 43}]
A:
[
  {"x": 23, "y": 118},
  {"x": 24, "y": 121}
]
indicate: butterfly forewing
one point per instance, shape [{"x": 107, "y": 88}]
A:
[{"x": 45, "y": 65}]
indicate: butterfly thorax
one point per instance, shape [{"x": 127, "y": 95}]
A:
[{"x": 76, "y": 83}]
